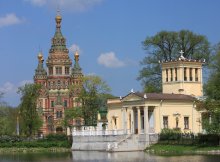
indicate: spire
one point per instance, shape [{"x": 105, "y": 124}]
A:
[
  {"x": 76, "y": 69},
  {"x": 40, "y": 72},
  {"x": 58, "y": 41}
]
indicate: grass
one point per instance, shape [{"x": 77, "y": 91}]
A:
[
  {"x": 162, "y": 148},
  {"x": 33, "y": 150}
]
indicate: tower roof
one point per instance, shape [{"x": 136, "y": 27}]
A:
[
  {"x": 58, "y": 41},
  {"x": 40, "y": 72},
  {"x": 76, "y": 69}
]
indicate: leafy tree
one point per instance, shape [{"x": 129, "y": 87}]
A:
[
  {"x": 30, "y": 119},
  {"x": 89, "y": 97},
  {"x": 7, "y": 120},
  {"x": 211, "y": 118},
  {"x": 70, "y": 114},
  {"x": 212, "y": 87},
  {"x": 165, "y": 46}
]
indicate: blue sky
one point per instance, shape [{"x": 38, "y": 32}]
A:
[{"x": 108, "y": 34}]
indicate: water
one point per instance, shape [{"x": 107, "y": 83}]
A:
[{"x": 92, "y": 156}]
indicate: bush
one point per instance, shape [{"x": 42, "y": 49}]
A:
[
  {"x": 51, "y": 140},
  {"x": 34, "y": 144},
  {"x": 6, "y": 138},
  {"x": 56, "y": 137},
  {"x": 170, "y": 134},
  {"x": 209, "y": 139}
]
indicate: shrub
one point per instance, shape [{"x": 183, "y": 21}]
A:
[{"x": 56, "y": 137}]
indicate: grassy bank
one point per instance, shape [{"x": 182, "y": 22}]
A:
[
  {"x": 186, "y": 149},
  {"x": 51, "y": 143},
  {"x": 33, "y": 150}
]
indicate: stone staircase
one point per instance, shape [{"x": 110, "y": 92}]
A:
[{"x": 131, "y": 142}]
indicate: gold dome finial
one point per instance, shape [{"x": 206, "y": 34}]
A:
[
  {"x": 58, "y": 17},
  {"x": 76, "y": 55},
  {"x": 40, "y": 57}
]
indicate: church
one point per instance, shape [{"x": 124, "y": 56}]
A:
[
  {"x": 56, "y": 80},
  {"x": 174, "y": 108}
]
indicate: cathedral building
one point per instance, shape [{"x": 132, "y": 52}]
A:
[{"x": 57, "y": 81}]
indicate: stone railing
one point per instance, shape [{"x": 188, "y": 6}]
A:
[{"x": 93, "y": 131}]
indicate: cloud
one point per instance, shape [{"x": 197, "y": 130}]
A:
[
  {"x": 37, "y": 2},
  {"x": 10, "y": 19},
  {"x": 23, "y": 82},
  {"x": 10, "y": 88},
  {"x": 70, "y": 5},
  {"x": 74, "y": 47},
  {"x": 110, "y": 60}
]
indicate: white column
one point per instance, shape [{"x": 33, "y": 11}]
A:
[
  {"x": 146, "y": 123},
  {"x": 123, "y": 120},
  {"x": 132, "y": 121},
  {"x": 139, "y": 120},
  {"x": 126, "y": 119}
]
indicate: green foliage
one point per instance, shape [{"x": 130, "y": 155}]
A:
[
  {"x": 180, "y": 149},
  {"x": 51, "y": 140},
  {"x": 165, "y": 46},
  {"x": 91, "y": 96},
  {"x": 211, "y": 118},
  {"x": 212, "y": 87},
  {"x": 29, "y": 117},
  {"x": 31, "y": 144},
  {"x": 56, "y": 137},
  {"x": 70, "y": 114},
  {"x": 170, "y": 134},
  {"x": 173, "y": 137},
  {"x": 7, "y": 120}
]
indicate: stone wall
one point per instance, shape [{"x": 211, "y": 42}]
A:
[{"x": 113, "y": 142}]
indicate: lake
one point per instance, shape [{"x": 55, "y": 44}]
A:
[{"x": 93, "y": 156}]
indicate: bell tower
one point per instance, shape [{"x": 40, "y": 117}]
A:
[{"x": 182, "y": 76}]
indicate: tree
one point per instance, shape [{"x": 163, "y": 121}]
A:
[
  {"x": 212, "y": 87},
  {"x": 7, "y": 120},
  {"x": 165, "y": 46},
  {"x": 89, "y": 97},
  {"x": 30, "y": 119},
  {"x": 211, "y": 119},
  {"x": 70, "y": 114}
]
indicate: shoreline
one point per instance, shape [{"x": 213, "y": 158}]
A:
[
  {"x": 34, "y": 150},
  {"x": 163, "y": 149}
]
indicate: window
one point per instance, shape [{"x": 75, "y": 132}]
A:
[
  {"x": 166, "y": 75},
  {"x": 50, "y": 70},
  {"x": 185, "y": 77},
  {"x": 171, "y": 74},
  {"x": 59, "y": 114},
  {"x": 58, "y": 70},
  {"x": 65, "y": 103},
  {"x": 186, "y": 122},
  {"x": 52, "y": 103},
  {"x": 190, "y": 74},
  {"x": 165, "y": 122},
  {"x": 67, "y": 70},
  {"x": 196, "y": 74},
  {"x": 175, "y": 74}
]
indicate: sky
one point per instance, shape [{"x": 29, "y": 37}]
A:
[{"x": 107, "y": 33}]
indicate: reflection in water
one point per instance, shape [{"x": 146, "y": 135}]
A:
[{"x": 93, "y": 156}]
